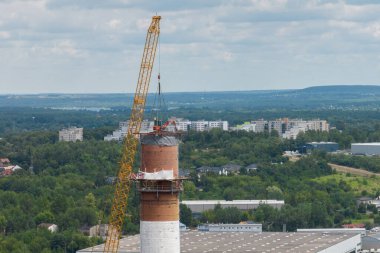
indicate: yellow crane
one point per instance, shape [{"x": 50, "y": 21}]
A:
[{"x": 119, "y": 204}]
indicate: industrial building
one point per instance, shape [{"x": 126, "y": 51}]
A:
[
  {"x": 324, "y": 146},
  {"x": 199, "y": 206},
  {"x": 371, "y": 243},
  {"x": 72, "y": 134},
  {"x": 239, "y": 242},
  {"x": 245, "y": 227},
  {"x": 361, "y": 231},
  {"x": 371, "y": 148}
]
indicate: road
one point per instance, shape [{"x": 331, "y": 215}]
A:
[{"x": 353, "y": 171}]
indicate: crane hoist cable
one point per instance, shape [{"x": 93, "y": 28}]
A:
[{"x": 123, "y": 183}]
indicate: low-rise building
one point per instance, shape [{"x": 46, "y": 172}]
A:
[
  {"x": 4, "y": 162},
  {"x": 251, "y": 167},
  {"x": 49, "y": 226},
  {"x": 372, "y": 148},
  {"x": 72, "y": 134},
  {"x": 6, "y": 168},
  {"x": 243, "y": 227},
  {"x": 199, "y": 206},
  {"x": 98, "y": 230},
  {"x": 352, "y": 225},
  {"x": 231, "y": 168},
  {"x": 224, "y": 170},
  {"x": 209, "y": 170},
  {"x": 325, "y": 146},
  {"x": 370, "y": 201}
]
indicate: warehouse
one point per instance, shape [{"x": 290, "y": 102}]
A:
[
  {"x": 372, "y": 148},
  {"x": 325, "y": 146},
  {"x": 199, "y": 206},
  {"x": 239, "y": 242},
  {"x": 242, "y": 227}
]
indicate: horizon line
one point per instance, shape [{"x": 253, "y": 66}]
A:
[{"x": 208, "y": 91}]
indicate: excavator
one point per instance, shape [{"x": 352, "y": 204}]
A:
[{"x": 123, "y": 183}]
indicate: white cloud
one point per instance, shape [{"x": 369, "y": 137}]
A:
[
  {"x": 114, "y": 23},
  {"x": 66, "y": 47},
  {"x": 5, "y": 35},
  {"x": 142, "y": 23},
  {"x": 227, "y": 56},
  {"x": 268, "y": 5},
  {"x": 374, "y": 29},
  {"x": 247, "y": 41}
]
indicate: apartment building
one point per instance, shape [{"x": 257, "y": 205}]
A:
[
  {"x": 119, "y": 134},
  {"x": 286, "y": 128},
  {"x": 72, "y": 134}
]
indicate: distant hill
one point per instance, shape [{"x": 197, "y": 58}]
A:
[
  {"x": 342, "y": 89},
  {"x": 318, "y": 97}
]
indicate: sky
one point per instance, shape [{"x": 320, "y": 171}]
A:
[{"x": 95, "y": 46}]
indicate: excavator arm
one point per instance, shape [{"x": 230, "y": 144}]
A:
[{"x": 123, "y": 183}]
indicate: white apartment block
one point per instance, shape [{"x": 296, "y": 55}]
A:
[
  {"x": 277, "y": 125},
  {"x": 199, "y": 125},
  {"x": 180, "y": 125},
  {"x": 71, "y": 134},
  {"x": 287, "y": 128},
  {"x": 218, "y": 124},
  {"x": 260, "y": 125},
  {"x": 121, "y": 132},
  {"x": 202, "y": 125},
  {"x": 293, "y": 132},
  {"x": 246, "y": 126}
]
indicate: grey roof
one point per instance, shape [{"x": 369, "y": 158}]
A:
[
  {"x": 370, "y": 242},
  {"x": 231, "y": 167},
  {"x": 322, "y": 142},
  {"x": 252, "y": 166},
  {"x": 110, "y": 180},
  {"x": 205, "y": 169},
  {"x": 239, "y": 242},
  {"x": 184, "y": 172}
]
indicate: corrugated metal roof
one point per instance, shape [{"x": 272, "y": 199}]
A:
[{"x": 239, "y": 242}]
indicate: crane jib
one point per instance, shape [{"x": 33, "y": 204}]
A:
[{"x": 122, "y": 187}]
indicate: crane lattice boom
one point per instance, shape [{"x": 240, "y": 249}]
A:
[{"x": 119, "y": 204}]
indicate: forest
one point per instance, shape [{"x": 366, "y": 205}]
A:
[{"x": 69, "y": 183}]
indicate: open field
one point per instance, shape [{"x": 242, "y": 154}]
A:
[
  {"x": 353, "y": 171},
  {"x": 357, "y": 183}
]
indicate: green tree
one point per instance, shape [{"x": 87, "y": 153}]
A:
[
  {"x": 44, "y": 216},
  {"x": 274, "y": 192},
  {"x": 3, "y": 224},
  {"x": 90, "y": 200},
  {"x": 186, "y": 215}
]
